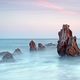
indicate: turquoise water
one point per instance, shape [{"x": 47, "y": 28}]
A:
[{"x": 40, "y": 65}]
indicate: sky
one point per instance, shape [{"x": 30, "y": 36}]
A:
[{"x": 38, "y": 18}]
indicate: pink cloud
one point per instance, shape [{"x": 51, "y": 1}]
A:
[
  {"x": 47, "y": 4},
  {"x": 50, "y": 5}
]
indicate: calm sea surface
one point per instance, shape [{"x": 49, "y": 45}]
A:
[{"x": 40, "y": 65}]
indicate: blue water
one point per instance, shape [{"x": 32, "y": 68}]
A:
[{"x": 40, "y": 65}]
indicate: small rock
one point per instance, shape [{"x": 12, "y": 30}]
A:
[
  {"x": 8, "y": 57},
  {"x": 50, "y": 45},
  {"x": 17, "y": 51},
  {"x": 41, "y": 46},
  {"x": 32, "y": 46}
]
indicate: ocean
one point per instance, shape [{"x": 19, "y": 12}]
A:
[{"x": 39, "y": 65}]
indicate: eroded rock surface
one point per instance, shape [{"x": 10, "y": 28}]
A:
[{"x": 67, "y": 44}]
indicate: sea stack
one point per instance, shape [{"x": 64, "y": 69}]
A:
[
  {"x": 67, "y": 44},
  {"x": 32, "y": 46}
]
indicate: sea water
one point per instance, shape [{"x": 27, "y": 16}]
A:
[{"x": 40, "y": 65}]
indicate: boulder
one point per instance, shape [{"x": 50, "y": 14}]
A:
[
  {"x": 8, "y": 57},
  {"x": 41, "y": 46},
  {"x": 17, "y": 51},
  {"x": 67, "y": 44},
  {"x": 32, "y": 46}
]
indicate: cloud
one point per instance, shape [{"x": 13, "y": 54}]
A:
[
  {"x": 56, "y": 6},
  {"x": 50, "y": 5},
  {"x": 47, "y": 4}
]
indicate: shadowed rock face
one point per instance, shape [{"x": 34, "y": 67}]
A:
[
  {"x": 8, "y": 57},
  {"x": 32, "y": 46},
  {"x": 67, "y": 44}
]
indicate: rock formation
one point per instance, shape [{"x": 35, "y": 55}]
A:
[
  {"x": 67, "y": 44},
  {"x": 17, "y": 51},
  {"x": 41, "y": 46},
  {"x": 50, "y": 44},
  {"x": 8, "y": 57},
  {"x": 32, "y": 46}
]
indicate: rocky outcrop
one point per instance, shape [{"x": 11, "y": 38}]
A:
[
  {"x": 17, "y": 52},
  {"x": 67, "y": 44},
  {"x": 32, "y": 46},
  {"x": 41, "y": 46},
  {"x": 8, "y": 57}
]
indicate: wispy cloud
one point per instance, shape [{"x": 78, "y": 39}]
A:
[
  {"x": 50, "y": 5},
  {"x": 47, "y": 4}
]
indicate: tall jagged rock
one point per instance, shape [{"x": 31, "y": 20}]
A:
[{"x": 67, "y": 44}]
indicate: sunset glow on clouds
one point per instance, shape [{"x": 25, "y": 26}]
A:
[
  {"x": 37, "y": 18},
  {"x": 47, "y": 4},
  {"x": 54, "y": 6}
]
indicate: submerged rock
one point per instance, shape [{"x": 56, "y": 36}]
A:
[
  {"x": 50, "y": 44},
  {"x": 17, "y": 51},
  {"x": 41, "y": 46},
  {"x": 8, "y": 57},
  {"x": 67, "y": 44},
  {"x": 32, "y": 46}
]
